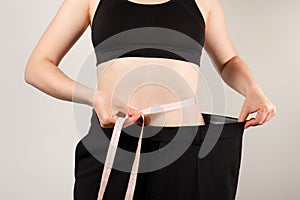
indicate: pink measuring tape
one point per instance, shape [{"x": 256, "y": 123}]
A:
[{"x": 115, "y": 139}]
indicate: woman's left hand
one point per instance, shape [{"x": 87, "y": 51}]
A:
[{"x": 256, "y": 101}]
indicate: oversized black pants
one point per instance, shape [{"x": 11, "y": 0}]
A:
[{"x": 213, "y": 177}]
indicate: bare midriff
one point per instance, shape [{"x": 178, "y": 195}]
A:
[{"x": 116, "y": 77}]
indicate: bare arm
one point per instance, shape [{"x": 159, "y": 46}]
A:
[
  {"x": 233, "y": 69},
  {"x": 230, "y": 66},
  {"x": 42, "y": 70}
]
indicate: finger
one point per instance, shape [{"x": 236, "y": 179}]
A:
[
  {"x": 258, "y": 120},
  {"x": 105, "y": 120},
  {"x": 250, "y": 122},
  {"x": 133, "y": 111},
  {"x": 131, "y": 120},
  {"x": 269, "y": 115},
  {"x": 109, "y": 122},
  {"x": 147, "y": 120},
  {"x": 243, "y": 115},
  {"x": 107, "y": 125},
  {"x": 261, "y": 116},
  {"x": 273, "y": 112}
]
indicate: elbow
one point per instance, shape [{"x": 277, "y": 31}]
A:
[
  {"x": 27, "y": 76},
  {"x": 229, "y": 61},
  {"x": 28, "y": 73},
  {"x": 31, "y": 71},
  {"x": 36, "y": 68}
]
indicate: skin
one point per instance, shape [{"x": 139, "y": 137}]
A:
[{"x": 67, "y": 26}]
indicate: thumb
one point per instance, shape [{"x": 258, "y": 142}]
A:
[
  {"x": 243, "y": 115},
  {"x": 131, "y": 120},
  {"x": 133, "y": 111}
]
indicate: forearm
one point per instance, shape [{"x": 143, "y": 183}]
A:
[
  {"x": 47, "y": 77},
  {"x": 238, "y": 76}
]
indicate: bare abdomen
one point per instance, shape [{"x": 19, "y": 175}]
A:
[{"x": 141, "y": 82}]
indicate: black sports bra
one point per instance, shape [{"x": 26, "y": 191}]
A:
[{"x": 173, "y": 29}]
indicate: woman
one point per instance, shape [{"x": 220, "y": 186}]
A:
[{"x": 201, "y": 20}]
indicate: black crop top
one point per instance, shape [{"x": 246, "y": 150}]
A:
[{"x": 173, "y": 29}]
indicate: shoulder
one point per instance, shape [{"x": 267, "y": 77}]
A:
[{"x": 206, "y": 6}]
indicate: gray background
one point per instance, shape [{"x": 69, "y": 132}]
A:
[{"x": 38, "y": 132}]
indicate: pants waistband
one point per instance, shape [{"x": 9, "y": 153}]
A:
[{"x": 214, "y": 123}]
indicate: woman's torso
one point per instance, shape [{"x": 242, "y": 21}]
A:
[{"x": 119, "y": 75}]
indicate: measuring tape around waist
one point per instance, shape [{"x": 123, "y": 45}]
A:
[{"x": 114, "y": 143}]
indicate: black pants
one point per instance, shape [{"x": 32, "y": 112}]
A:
[{"x": 213, "y": 177}]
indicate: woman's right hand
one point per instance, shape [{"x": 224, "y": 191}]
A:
[{"x": 103, "y": 107}]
